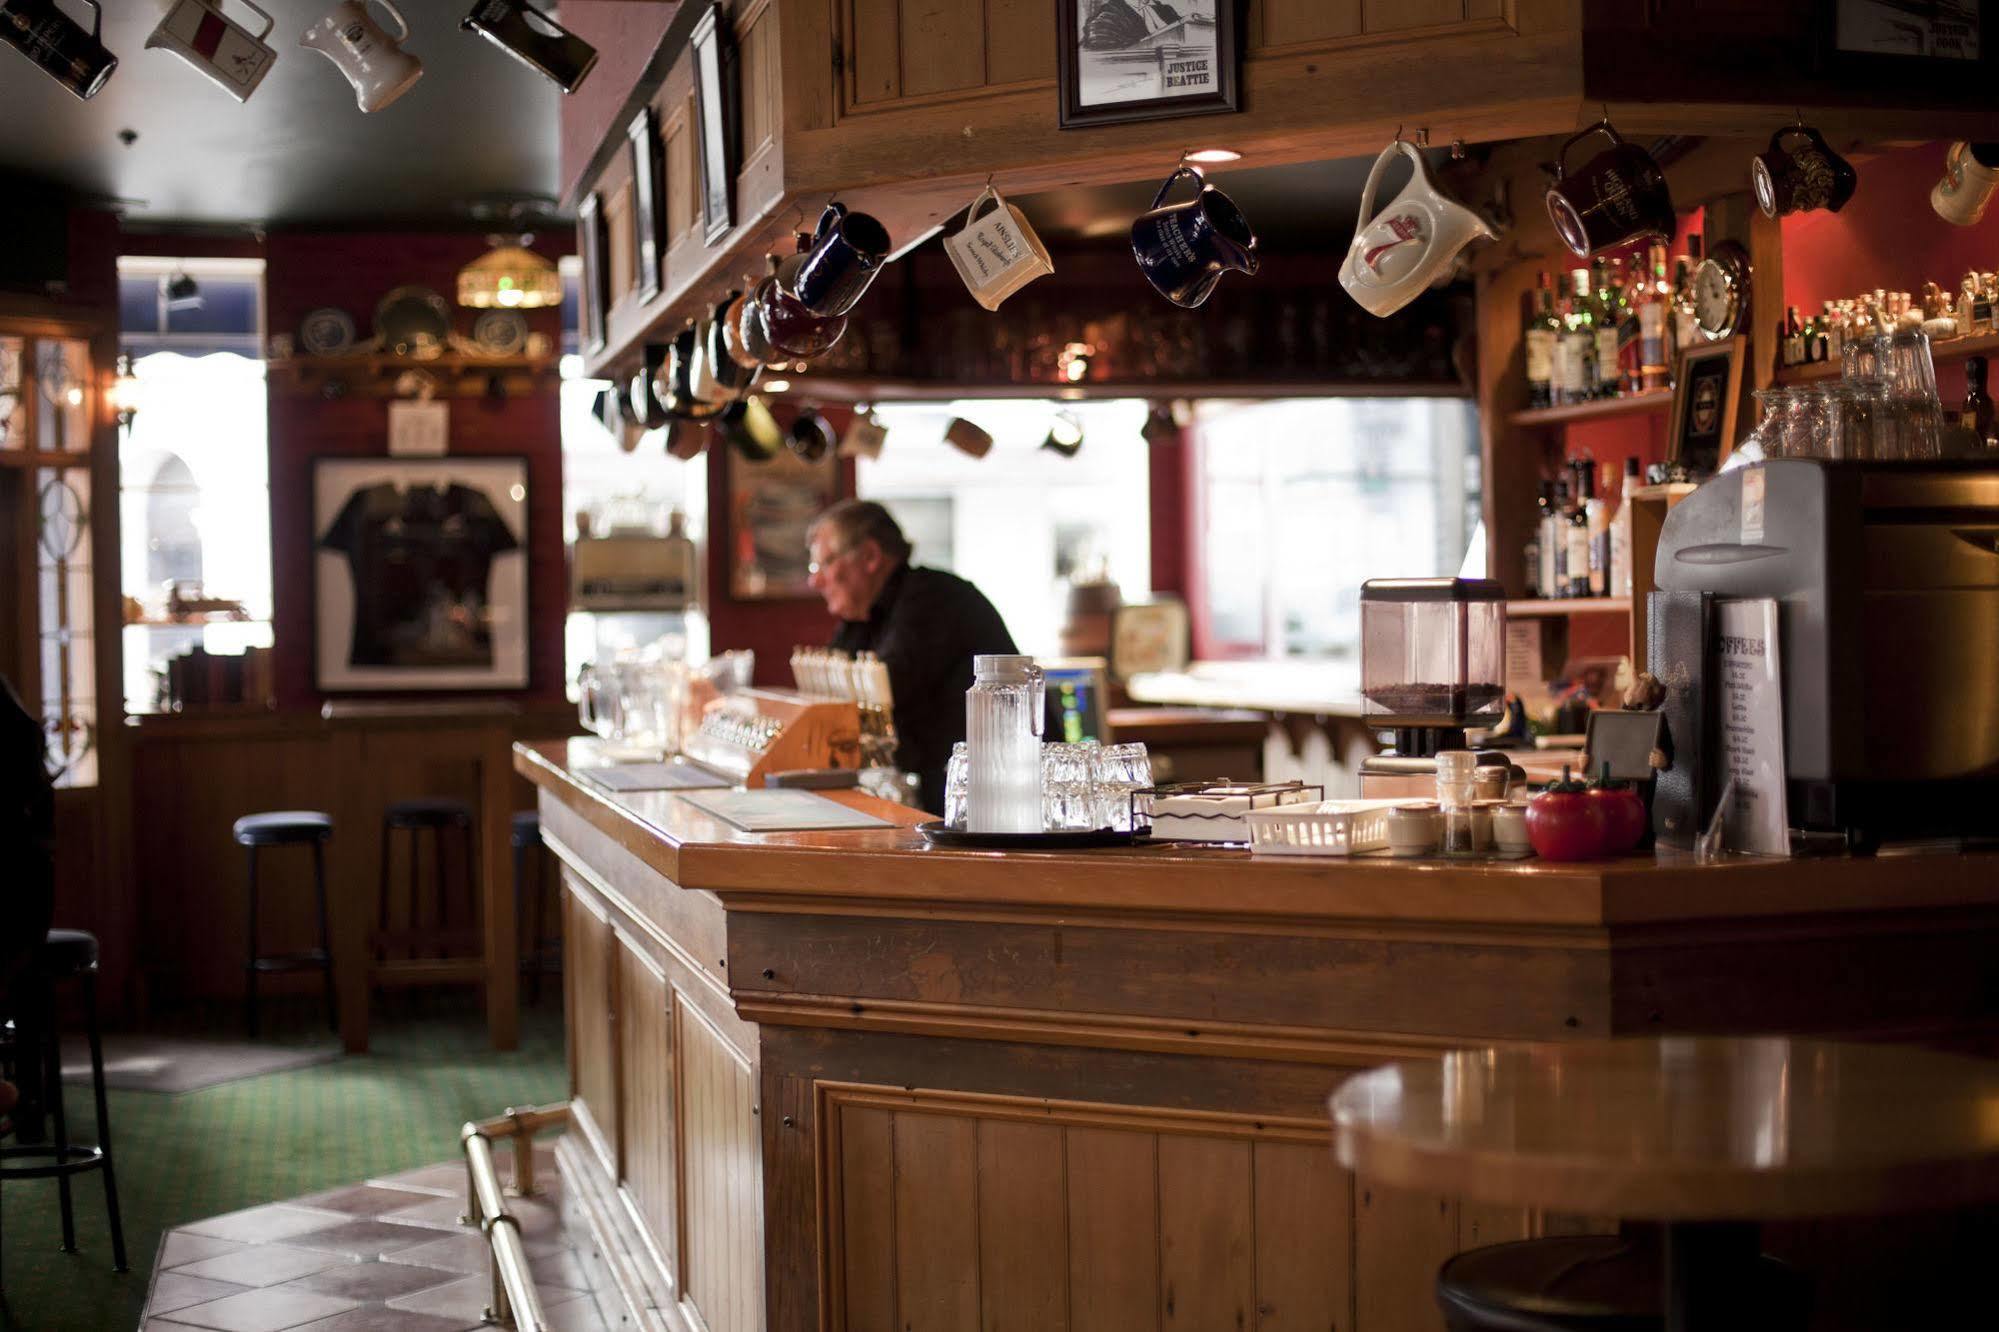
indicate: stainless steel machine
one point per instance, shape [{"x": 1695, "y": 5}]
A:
[{"x": 1887, "y": 580}]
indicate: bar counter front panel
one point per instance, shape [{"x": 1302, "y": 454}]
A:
[{"x": 843, "y": 1081}]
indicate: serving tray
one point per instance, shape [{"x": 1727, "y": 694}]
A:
[{"x": 939, "y": 833}]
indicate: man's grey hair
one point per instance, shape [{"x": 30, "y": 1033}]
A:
[{"x": 853, "y": 521}]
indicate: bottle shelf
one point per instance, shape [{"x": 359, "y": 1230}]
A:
[
  {"x": 1545, "y": 608},
  {"x": 1949, "y": 349},
  {"x": 1658, "y": 400}
]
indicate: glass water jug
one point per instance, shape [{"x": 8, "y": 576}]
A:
[{"x": 1003, "y": 711}]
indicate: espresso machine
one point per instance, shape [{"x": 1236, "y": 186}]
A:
[
  {"x": 1886, "y": 577},
  {"x": 1432, "y": 663}
]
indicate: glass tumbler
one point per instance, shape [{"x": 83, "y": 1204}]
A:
[
  {"x": 1911, "y": 378},
  {"x": 1860, "y": 359},
  {"x": 956, "y": 773},
  {"x": 1121, "y": 769},
  {"x": 1767, "y": 439},
  {"x": 1804, "y": 423},
  {"x": 1067, "y": 786}
]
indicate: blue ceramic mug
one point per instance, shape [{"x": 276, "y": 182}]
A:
[
  {"x": 1184, "y": 248},
  {"x": 846, "y": 253}
]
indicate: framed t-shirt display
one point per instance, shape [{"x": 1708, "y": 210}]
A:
[{"x": 420, "y": 573}]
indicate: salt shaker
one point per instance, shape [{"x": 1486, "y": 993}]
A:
[{"x": 1454, "y": 800}]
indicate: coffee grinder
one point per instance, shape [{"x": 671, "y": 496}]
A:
[{"x": 1432, "y": 662}]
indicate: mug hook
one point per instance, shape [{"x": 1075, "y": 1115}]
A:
[{"x": 1398, "y": 133}]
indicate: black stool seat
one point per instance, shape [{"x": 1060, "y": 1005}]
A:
[
  {"x": 1593, "y": 1283},
  {"x": 435, "y": 812},
  {"x": 283, "y": 827},
  {"x": 526, "y": 829},
  {"x": 68, "y": 953}
]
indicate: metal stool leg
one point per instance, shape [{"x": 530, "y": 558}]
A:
[
  {"x": 325, "y": 933},
  {"x": 103, "y": 1121},
  {"x": 540, "y": 935},
  {"x": 52, "y": 1061},
  {"x": 250, "y": 960}
]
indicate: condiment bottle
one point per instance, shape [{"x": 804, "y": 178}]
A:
[{"x": 1455, "y": 768}]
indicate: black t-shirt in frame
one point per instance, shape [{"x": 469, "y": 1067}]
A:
[
  {"x": 421, "y": 560},
  {"x": 926, "y": 626}
]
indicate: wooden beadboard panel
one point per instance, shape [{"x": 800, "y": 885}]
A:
[
  {"x": 645, "y": 1096},
  {"x": 620, "y": 225},
  {"x": 1296, "y": 22},
  {"x": 1393, "y": 15},
  {"x": 1020, "y": 42},
  {"x": 587, "y": 962},
  {"x": 683, "y": 190},
  {"x": 943, "y": 46},
  {"x": 949, "y": 1212},
  {"x": 873, "y": 49},
  {"x": 721, "y": 1245},
  {"x": 756, "y": 45},
  {"x": 1400, "y": 1239}
]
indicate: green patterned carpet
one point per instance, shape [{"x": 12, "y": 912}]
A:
[{"x": 202, "y": 1153}]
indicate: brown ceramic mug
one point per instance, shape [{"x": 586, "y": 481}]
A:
[
  {"x": 792, "y": 329},
  {"x": 1617, "y": 197}
]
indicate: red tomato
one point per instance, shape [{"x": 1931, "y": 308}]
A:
[
  {"x": 1623, "y": 814},
  {"x": 1563, "y": 822}
]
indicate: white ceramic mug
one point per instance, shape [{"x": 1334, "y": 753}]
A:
[
  {"x": 1966, "y": 188},
  {"x": 374, "y": 62},
  {"x": 998, "y": 253},
  {"x": 1395, "y": 255},
  {"x": 223, "y": 51}
]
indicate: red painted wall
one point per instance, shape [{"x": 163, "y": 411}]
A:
[
  {"x": 1887, "y": 236},
  {"x": 352, "y": 272}
]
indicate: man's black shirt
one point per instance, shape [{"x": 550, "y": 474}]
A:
[{"x": 926, "y": 626}]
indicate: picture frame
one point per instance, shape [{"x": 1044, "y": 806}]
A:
[
  {"x": 1127, "y": 60},
  {"x": 772, "y": 504},
  {"x": 1882, "y": 43},
  {"x": 420, "y": 578},
  {"x": 1707, "y": 393},
  {"x": 716, "y": 119},
  {"x": 648, "y": 200},
  {"x": 593, "y": 244}
]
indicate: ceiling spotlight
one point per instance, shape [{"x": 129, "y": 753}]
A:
[
  {"x": 1065, "y": 435},
  {"x": 183, "y": 293},
  {"x": 775, "y": 385},
  {"x": 1210, "y": 156}
]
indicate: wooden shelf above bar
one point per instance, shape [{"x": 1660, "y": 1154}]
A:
[
  {"x": 1949, "y": 349},
  {"x": 1533, "y": 609},
  {"x": 374, "y": 374},
  {"x": 1656, "y": 401},
  {"x": 857, "y": 388}
]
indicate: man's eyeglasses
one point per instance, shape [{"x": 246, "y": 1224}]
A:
[{"x": 813, "y": 569}]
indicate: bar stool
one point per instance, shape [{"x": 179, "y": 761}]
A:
[
  {"x": 531, "y": 899},
  {"x": 66, "y": 955},
  {"x": 1708, "y": 1136},
  {"x": 437, "y": 816},
  {"x": 287, "y": 827}
]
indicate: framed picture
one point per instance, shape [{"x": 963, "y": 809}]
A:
[
  {"x": 715, "y": 101},
  {"x": 771, "y": 507},
  {"x": 420, "y": 573},
  {"x": 596, "y": 277},
  {"x": 1705, "y": 394},
  {"x": 1939, "y": 30},
  {"x": 648, "y": 200},
  {"x": 1124, "y": 60}
]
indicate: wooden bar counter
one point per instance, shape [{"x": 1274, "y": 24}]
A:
[{"x": 845, "y": 1081}]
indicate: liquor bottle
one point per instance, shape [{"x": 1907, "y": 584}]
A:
[
  {"x": 679, "y": 584},
  {"x": 1976, "y": 415},
  {"x": 1606, "y": 282},
  {"x": 1834, "y": 324},
  {"x": 1543, "y": 328},
  {"x": 1620, "y": 533},
  {"x": 1577, "y": 535},
  {"x": 1544, "y": 549},
  {"x": 1654, "y": 367},
  {"x": 1596, "y": 522},
  {"x": 1577, "y": 347},
  {"x": 1555, "y": 540}
]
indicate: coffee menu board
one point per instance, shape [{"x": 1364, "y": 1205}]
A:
[{"x": 1749, "y": 723}]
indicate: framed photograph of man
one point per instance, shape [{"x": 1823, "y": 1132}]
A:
[
  {"x": 1124, "y": 60},
  {"x": 420, "y": 573}
]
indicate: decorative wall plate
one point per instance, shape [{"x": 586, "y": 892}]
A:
[
  {"x": 326, "y": 332},
  {"x": 501, "y": 332},
  {"x": 414, "y": 322}
]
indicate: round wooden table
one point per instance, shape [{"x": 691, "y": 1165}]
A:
[{"x": 1709, "y": 1135}]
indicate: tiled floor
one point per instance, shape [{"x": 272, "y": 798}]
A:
[{"x": 385, "y": 1256}]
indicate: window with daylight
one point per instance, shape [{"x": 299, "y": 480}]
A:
[
  {"x": 1300, "y": 501},
  {"x": 194, "y": 480}
]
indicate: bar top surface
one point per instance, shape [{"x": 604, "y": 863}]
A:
[{"x": 895, "y": 866}]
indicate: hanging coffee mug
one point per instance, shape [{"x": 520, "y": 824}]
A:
[
  {"x": 221, "y": 50},
  {"x": 1619, "y": 196},
  {"x": 864, "y": 438},
  {"x": 790, "y": 328},
  {"x": 534, "y": 39},
  {"x": 647, "y": 406},
  {"x": 1971, "y": 175},
  {"x": 1183, "y": 249},
  {"x": 848, "y": 251},
  {"x": 1397, "y": 253},
  {"x": 374, "y": 62},
  {"x": 1800, "y": 178},
  {"x": 52, "y": 39},
  {"x": 968, "y": 437},
  {"x": 998, "y": 253}
]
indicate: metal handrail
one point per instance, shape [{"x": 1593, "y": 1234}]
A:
[{"x": 515, "y": 1303}]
